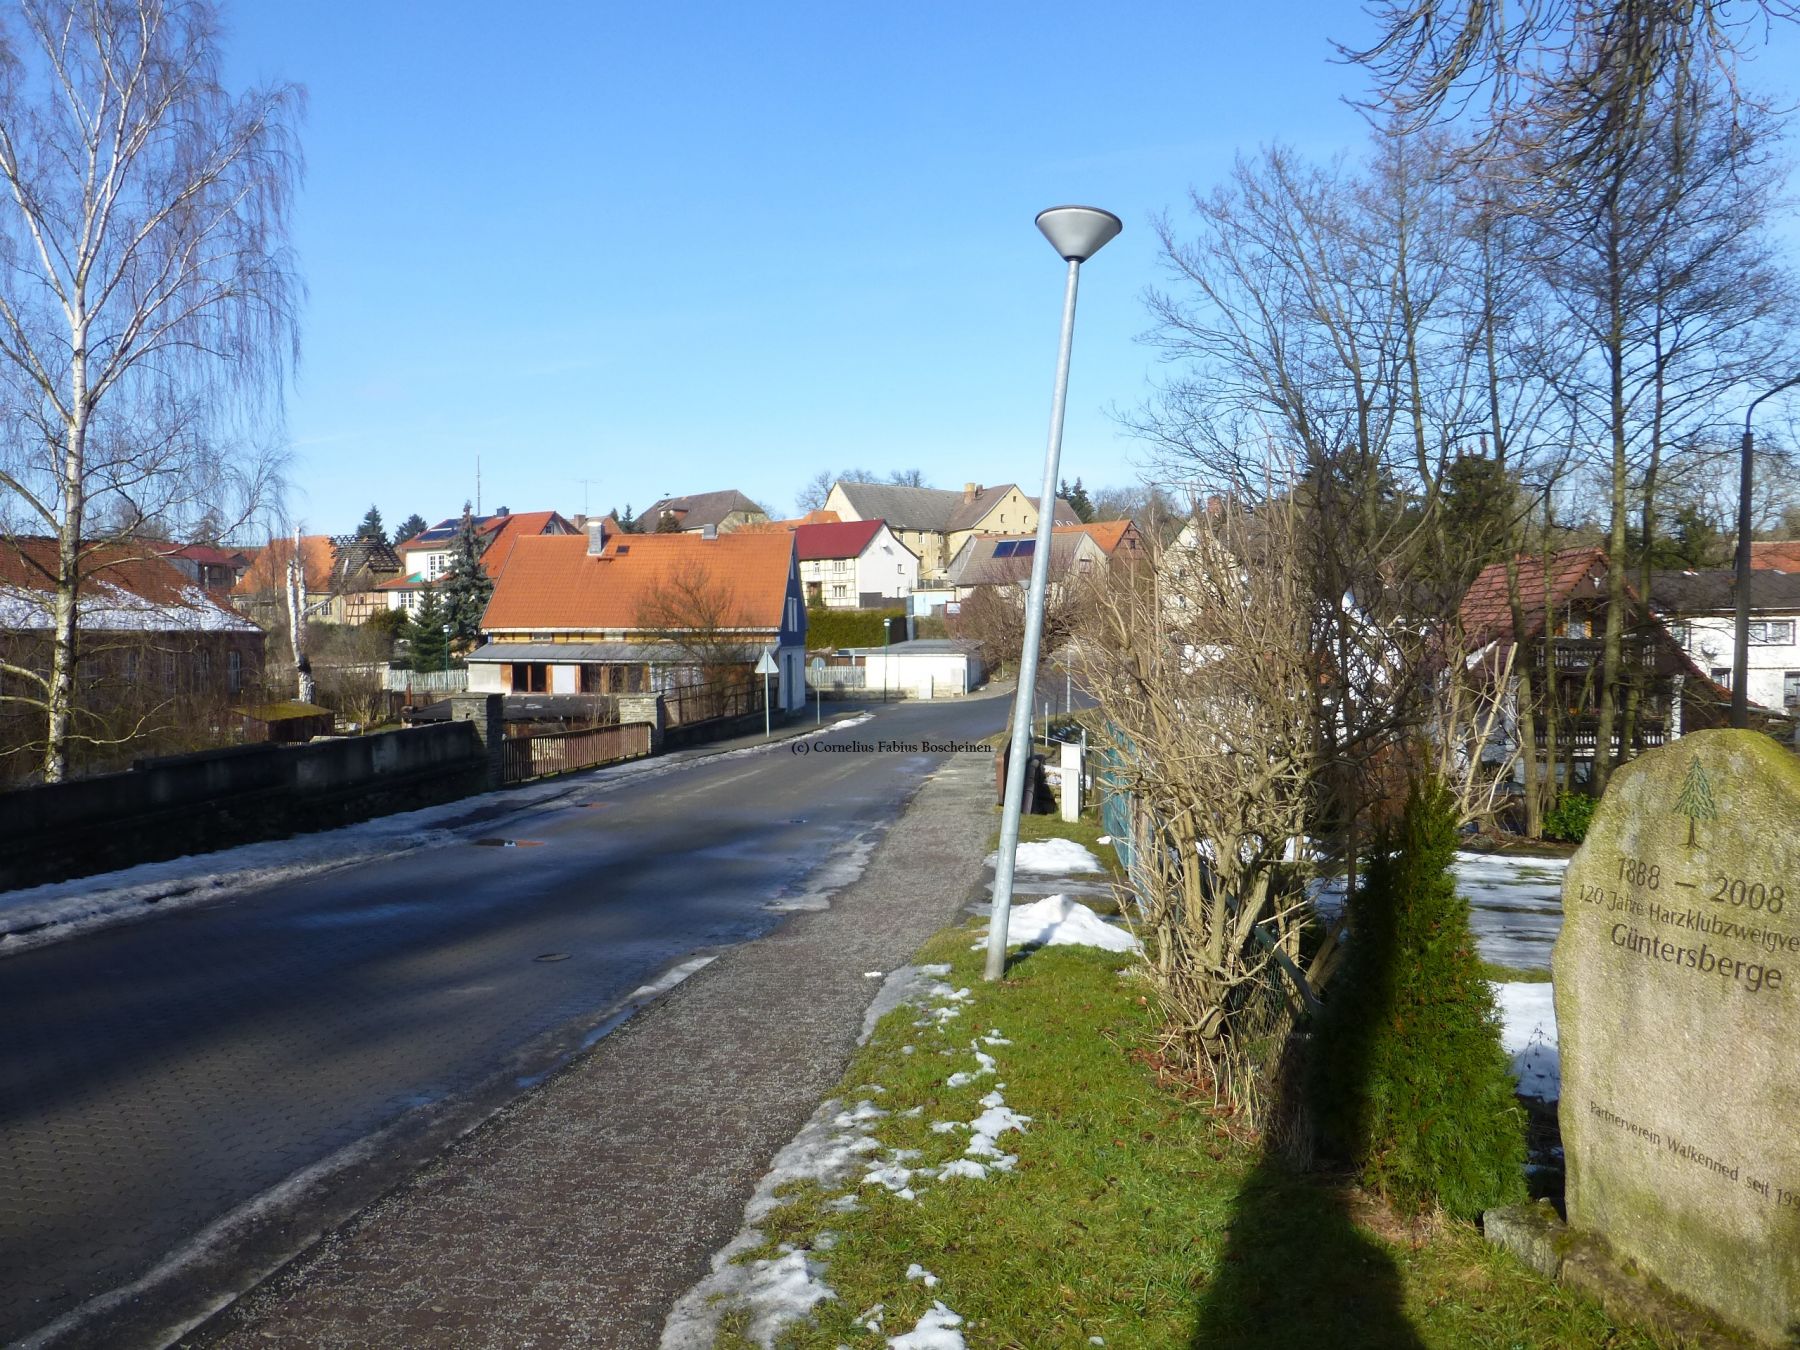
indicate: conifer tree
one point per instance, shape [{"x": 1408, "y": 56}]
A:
[
  {"x": 467, "y": 586},
  {"x": 415, "y": 524},
  {"x": 1409, "y": 1080},
  {"x": 371, "y": 527},
  {"x": 427, "y": 640}
]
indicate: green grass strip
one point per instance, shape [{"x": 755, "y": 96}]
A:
[{"x": 1130, "y": 1215}]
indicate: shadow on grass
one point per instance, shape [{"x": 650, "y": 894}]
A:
[{"x": 1297, "y": 1271}]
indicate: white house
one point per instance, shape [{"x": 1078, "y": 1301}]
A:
[
  {"x": 856, "y": 563},
  {"x": 1700, "y": 610}
]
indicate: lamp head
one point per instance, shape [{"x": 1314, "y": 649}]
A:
[{"x": 1077, "y": 233}]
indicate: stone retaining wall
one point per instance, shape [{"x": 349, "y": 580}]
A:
[{"x": 164, "y": 808}]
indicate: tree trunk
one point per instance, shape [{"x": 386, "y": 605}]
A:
[
  {"x": 59, "y": 702},
  {"x": 1612, "y": 649}
]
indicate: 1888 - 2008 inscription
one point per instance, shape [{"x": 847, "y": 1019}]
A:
[{"x": 1678, "y": 1016}]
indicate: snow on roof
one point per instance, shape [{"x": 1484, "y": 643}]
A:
[{"x": 122, "y": 591}]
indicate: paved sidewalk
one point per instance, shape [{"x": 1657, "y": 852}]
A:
[{"x": 577, "y": 1215}]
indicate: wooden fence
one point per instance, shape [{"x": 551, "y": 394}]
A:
[{"x": 553, "y": 752}]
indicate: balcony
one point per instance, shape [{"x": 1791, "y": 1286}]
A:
[
  {"x": 1583, "y": 654},
  {"x": 1581, "y": 734}
]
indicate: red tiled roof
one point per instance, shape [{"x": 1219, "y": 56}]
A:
[
  {"x": 204, "y": 554},
  {"x": 846, "y": 539},
  {"x": 507, "y": 533},
  {"x": 1106, "y": 533},
  {"x": 1776, "y": 555},
  {"x": 501, "y": 532},
  {"x": 268, "y": 573},
  {"x": 552, "y": 584},
  {"x": 1487, "y": 614}
]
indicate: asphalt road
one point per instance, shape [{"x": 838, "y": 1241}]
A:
[{"x": 157, "y": 1079}]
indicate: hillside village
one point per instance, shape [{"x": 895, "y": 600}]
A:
[{"x": 562, "y": 613}]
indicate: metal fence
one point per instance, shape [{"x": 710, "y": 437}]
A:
[
  {"x": 707, "y": 702},
  {"x": 563, "y": 751},
  {"x": 835, "y": 678}
]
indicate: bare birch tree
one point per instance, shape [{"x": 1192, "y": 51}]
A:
[{"x": 147, "y": 292}]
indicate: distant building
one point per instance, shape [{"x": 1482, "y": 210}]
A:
[
  {"x": 934, "y": 523},
  {"x": 425, "y": 558},
  {"x": 159, "y": 658},
  {"x": 721, "y": 512},
  {"x": 854, "y": 563},
  {"x": 1700, "y": 609},
  {"x": 643, "y": 613}
]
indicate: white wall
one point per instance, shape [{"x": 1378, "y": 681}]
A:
[
  {"x": 1712, "y": 641},
  {"x": 887, "y": 567},
  {"x": 920, "y": 675},
  {"x": 485, "y": 678}
]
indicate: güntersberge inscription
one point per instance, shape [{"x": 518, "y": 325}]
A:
[{"x": 1679, "y": 1022}]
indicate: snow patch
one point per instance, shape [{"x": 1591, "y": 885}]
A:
[
  {"x": 1058, "y": 921},
  {"x": 936, "y": 1330},
  {"x": 1528, "y": 1035},
  {"x": 1055, "y": 856}
]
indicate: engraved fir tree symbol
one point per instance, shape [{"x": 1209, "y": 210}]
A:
[{"x": 1696, "y": 799}]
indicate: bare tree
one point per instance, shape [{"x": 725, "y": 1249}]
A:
[
  {"x": 1571, "y": 78},
  {"x": 696, "y": 615},
  {"x": 1206, "y": 667},
  {"x": 1657, "y": 252},
  {"x": 147, "y": 292}
]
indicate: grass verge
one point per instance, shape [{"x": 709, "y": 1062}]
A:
[{"x": 1130, "y": 1215}]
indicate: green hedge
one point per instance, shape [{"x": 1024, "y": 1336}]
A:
[
  {"x": 831, "y": 628},
  {"x": 1569, "y": 818}
]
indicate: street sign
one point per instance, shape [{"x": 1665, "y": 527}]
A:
[{"x": 767, "y": 665}]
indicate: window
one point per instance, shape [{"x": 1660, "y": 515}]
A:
[
  {"x": 530, "y": 677},
  {"x": 1790, "y": 689},
  {"x": 1721, "y": 676},
  {"x": 1771, "y": 632},
  {"x": 1681, "y": 632},
  {"x": 840, "y": 591},
  {"x": 1577, "y": 629},
  {"x": 434, "y": 564},
  {"x": 234, "y": 671}
]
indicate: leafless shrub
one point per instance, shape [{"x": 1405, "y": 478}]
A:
[{"x": 1206, "y": 669}]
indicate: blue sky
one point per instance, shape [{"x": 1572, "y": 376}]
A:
[{"x": 674, "y": 248}]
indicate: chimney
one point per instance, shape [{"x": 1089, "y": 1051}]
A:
[
  {"x": 502, "y": 511},
  {"x": 596, "y": 533},
  {"x": 970, "y": 491},
  {"x": 709, "y": 531}
]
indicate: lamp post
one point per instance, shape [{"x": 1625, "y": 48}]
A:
[
  {"x": 1077, "y": 233},
  {"x": 1740, "y": 657}
]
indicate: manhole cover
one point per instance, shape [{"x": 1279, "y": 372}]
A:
[
  {"x": 552, "y": 956},
  {"x": 510, "y": 843}
]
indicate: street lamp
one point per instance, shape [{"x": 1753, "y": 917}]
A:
[
  {"x": 1740, "y": 657},
  {"x": 1077, "y": 233}
]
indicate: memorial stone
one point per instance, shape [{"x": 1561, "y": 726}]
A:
[{"x": 1677, "y": 977}]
